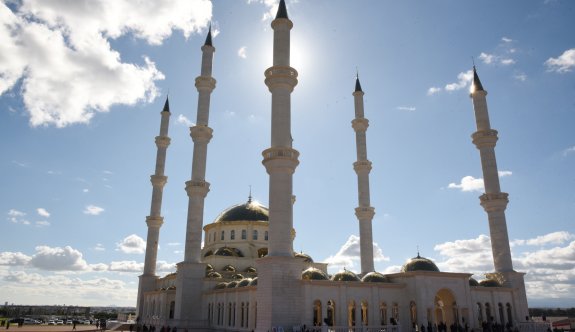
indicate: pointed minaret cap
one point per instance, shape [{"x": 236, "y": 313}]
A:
[
  {"x": 209, "y": 37},
  {"x": 357, "y": 85},
  {"x": 282, "y": 11},
  {"x": 166, "y": 106},
  {"x": 476, "y": 82}
]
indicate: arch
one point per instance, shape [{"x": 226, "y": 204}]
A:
[
  {"x": 255, "y": 234},
  {"x": 413, "y": 313},
  {"x": 394, "y": 314},
  {"x": 488, "y": 314},
  {"x": 330, "y": 313},
  {"x": 172, "y": 308},
  {"x": 509, "y": 314},
  {"x": 479, "y": 313},
  {"x": 445, "y": 307},
  {"x": 351, "y": 314},
  {"x": 364, "y": 313},
  {"x": 232, "y": 234},
  {"x": 223, "y": 235},
  {"x": 266, "y": 235},
  {"x": 229, "y": 314},
  {"x": 501, "y": 314},
  {"x": 244, "y": 234},
  {"x": 243, "y": 309},
  {"x": 317, "y": 313},
  {"x": 383, "y": 313}
]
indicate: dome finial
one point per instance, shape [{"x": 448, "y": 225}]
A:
[
  {"x": 282, "y": 11},
  {"x": 250, "y": 195}
]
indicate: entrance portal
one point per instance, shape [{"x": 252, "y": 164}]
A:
[{"x": 446, "y": 310}]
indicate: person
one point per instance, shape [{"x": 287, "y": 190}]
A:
[
  {"x": 74, "y": 326},
  {"x": 7, "y": 324}
]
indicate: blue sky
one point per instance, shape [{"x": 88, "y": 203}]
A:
[{"x": 82, "y": 85}]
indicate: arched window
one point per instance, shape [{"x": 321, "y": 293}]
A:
[
  {"x": 172, "y": 308},
  {"x": 317, "y": 313},
  {"x": 413, "y": 313},
  {"x": 232, "y": 234},
  {"x": 229, "y": 314},
  {"x": 488, "y": 314},
  {"x": 255, "y": 234},
  {"x": 351, "y": 313},
  {"x": 383, "y": 313},
  {"x": 509, "y": 314},
  {"x": 501, "y": 314},
  {"x": 222, "y": 236},
  {"x": 394, "y": 314},
  {"x": 479, "y": 313},
  {"x": 242, "y": 312},
  {"x": 266, "y": 235},
  {"x": 364, "y": 319},
  {"x": 244, "y": 234},
  {"x": 234, "y": 316},
  {"x": 330, "y": 313},
  {"x": 247, "y": 314}
]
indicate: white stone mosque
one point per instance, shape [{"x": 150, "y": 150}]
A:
[{"x": 247, "y": 276}]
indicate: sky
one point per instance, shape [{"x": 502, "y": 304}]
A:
[{"x": 82, "y": 85}]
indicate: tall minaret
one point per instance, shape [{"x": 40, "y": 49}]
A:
[
  {"x": 279, "y": 273},
  {"x": 155, "y": 219},
  {"x": 191, "y": 270},
  {"x": 364, "y": 212},
  {"x": 493, "y": 200}
]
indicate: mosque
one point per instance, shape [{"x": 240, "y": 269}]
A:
[{"x": 247, "y": 277}]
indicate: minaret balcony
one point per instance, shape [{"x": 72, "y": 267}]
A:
[
  {"x": 494, "y": 202},
  {"x": 201, "y": 134},
  {"x": 360, "y": 124},
  {"x": 485, "y": 138},
  {"x": 281, "y": 77},
  {"x": 362, "y": 166},
  {"x": 158, "y": 180},
  {"x": 154, "y": 221},
  {"x": 280, "y": 159},
  {"x": 197, "y": 188},
  {"x": 162, "y": 141},
  {"x": 205, "y": 83},
  {"x": 364, "y": 213}
]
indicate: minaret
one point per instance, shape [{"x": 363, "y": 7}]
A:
[
  {"x": 364, "y": 212},
  {"x": 191, "y": 271},
  {"x": 493, "y": 200},
  {"x": 279, "y": 273},
  {"x": 155, "y": 219}
]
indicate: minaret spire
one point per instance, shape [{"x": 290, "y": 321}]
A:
[
  {"x": 493, "y": 200},
  {"x": 364, "y": 212},
  {"x": 155, "y": 219},
  {"x": 191, "y": 270}
]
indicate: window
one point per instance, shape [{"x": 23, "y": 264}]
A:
[
  {"x": 172, "y": 308},
  {"x": 509, "y": 315},
  {"x": 244, "y": 234},
  {"x": 488, "y": 315},
  {"x": 501, "y": 315},
  {"x": 255, "y": 235},
  {"x": 232, "y": 235},
  {"x": 317, "y": 313},
  {"x": 351, "y": 314},
  {"x": 222, "y": 237},
  {"x": 330, "y": 312},
  {"x": 364, "y": 320},
  {"x": 266, "y": 236},
  {"x": 383, "y": 314}
]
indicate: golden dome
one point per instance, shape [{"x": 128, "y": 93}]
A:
[
  {"x": 374, "y": 277},
  {"x": 419, "y": 263},
  {"x": 313, "y": 274},
  {"x": 345, "y": 276}
]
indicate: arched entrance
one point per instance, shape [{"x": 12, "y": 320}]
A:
[{"x": 446, "y": 310}]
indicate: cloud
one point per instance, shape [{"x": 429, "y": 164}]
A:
[
  {"x": 58, "y": 259},
  {"x": 43, "y": 213},
  {"x": 406, "y": 108},
  {"x": 562, "y": 64},
  {"x": 93, "y": 210},
  {"x": 182, "y": 119},
  {"x": 127, "y": 266},
  {"x": 42, "y": 223},
  {"x": 506, "y": 40},
  {"x": 568, "y": 151},
  {"x": 463, "y": 79},
  {"x": 433, "y": 90},
  {"x": 132, "y": 244},
  {"x": 551, "y": 238},
  {"x": 17, "y": 217},
  {"x": 14, "y": 258},
  {"x": 349, "y": 254},
  {"x": 507, "y": 61},
  {"x": 486, "y": 58},
  {"x": 521, "y": 77},
  {"x": 271, "y": 8},
  {"x": 242, "y": 52},
  {"x": 469, "y": 183},
  {"x": 173, "y": 244},
  {"x": 61, "y": 53}
]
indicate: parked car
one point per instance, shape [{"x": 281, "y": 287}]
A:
[
  {"x": 59, "y": 322},
  {"x": 51, "y": 322}
]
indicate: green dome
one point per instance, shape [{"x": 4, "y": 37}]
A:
[
  {"x": 251, "y": 269},
  {"x": 250, "y": 211},
  {"x": 345, "y": 276},
  {"x": 209, "y": 267},
  {"x": 244, "y": 282},
  {"x": 313, "y": 274},
  {"x": 254, "y": 282},
  {"x": 473, "y": 282},
  {"x": 419, "y": 264},
  {"x": 374, "y": 277},
  {"x": 305, "y": 257},
  {"x": 229, "y": 268},
  {"x": 237, "y": 276},
  {"x": 221, "y": 285},
  {"x": 229, "y": 252},
  {"x": 232, "y": 284},
  {"x": 214, "y": 275},
  {"x": 489, "y": 283}
]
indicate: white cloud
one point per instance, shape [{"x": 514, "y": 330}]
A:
[
  {"x": 17, "y": 217},
  {"x": 58, "y": 259},
  {"x": 551, "y": 238},
  {"x": 271, "y": 8},
  {"x": 406, "y": 108},
  {"x": 127, "y": 266},
  {"x": 99, "y": 247},
  {"x": 433, "y": 90},
  {"x": 85, "y": 190},
  {"x": 493, "y": 59},
  {"x": 93, "y": 210},
  {"x": 242, "y": 52},
  {"x": 521, "y": 77},
  {"x": 507, "y": 61},
  {"x": 463, "y": 79},
  {"x": 132, "y": 244},
  {"x": 43, "y": 213},
  {"x": 506, "y": 40},
  {"x": 61, "y": 53},
  {"x": 563, "y": 63},
  {"x": 349, "y": 254},
  {"x": 486, "y": 58},
  {"x": 42, "y": 223},
  {"x": 469, "y": 183},
  {"x": 173, "y": 244},
  {"x": 14, "y": 258},
  {"x": 182, "y": 119},
  {"x": 568, "y": 151}
]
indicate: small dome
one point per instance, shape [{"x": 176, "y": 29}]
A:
[
  {"x": 221, "y": 285},
  {"x": 250, "y": 211},
  {"x": 237, "y": 276},
  {"x": 419, "y": 264},
  {"x": 254, "y": 282},
  {"x": 172, "y": 288},
  {"x": 473, "y": 282},
  {"x": 230, "y": 252},
  {"x": 229, "y": 268},
  {"x": 374, "y": 277},
  {"x": 489, "y": 283},
  {"x": 345, "y": 276},
  {"x": 313, "y": 274},
  {"x": 251, "y": 269},
  {"x": 232, "y": 284},
  {"x": 209, "y": 267},
  {"x": 214, "y": 275},
  {"x": 305, "y": 257},
  {"x": 208, "y": 253},
  {"x": 244, "y": 282}
]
